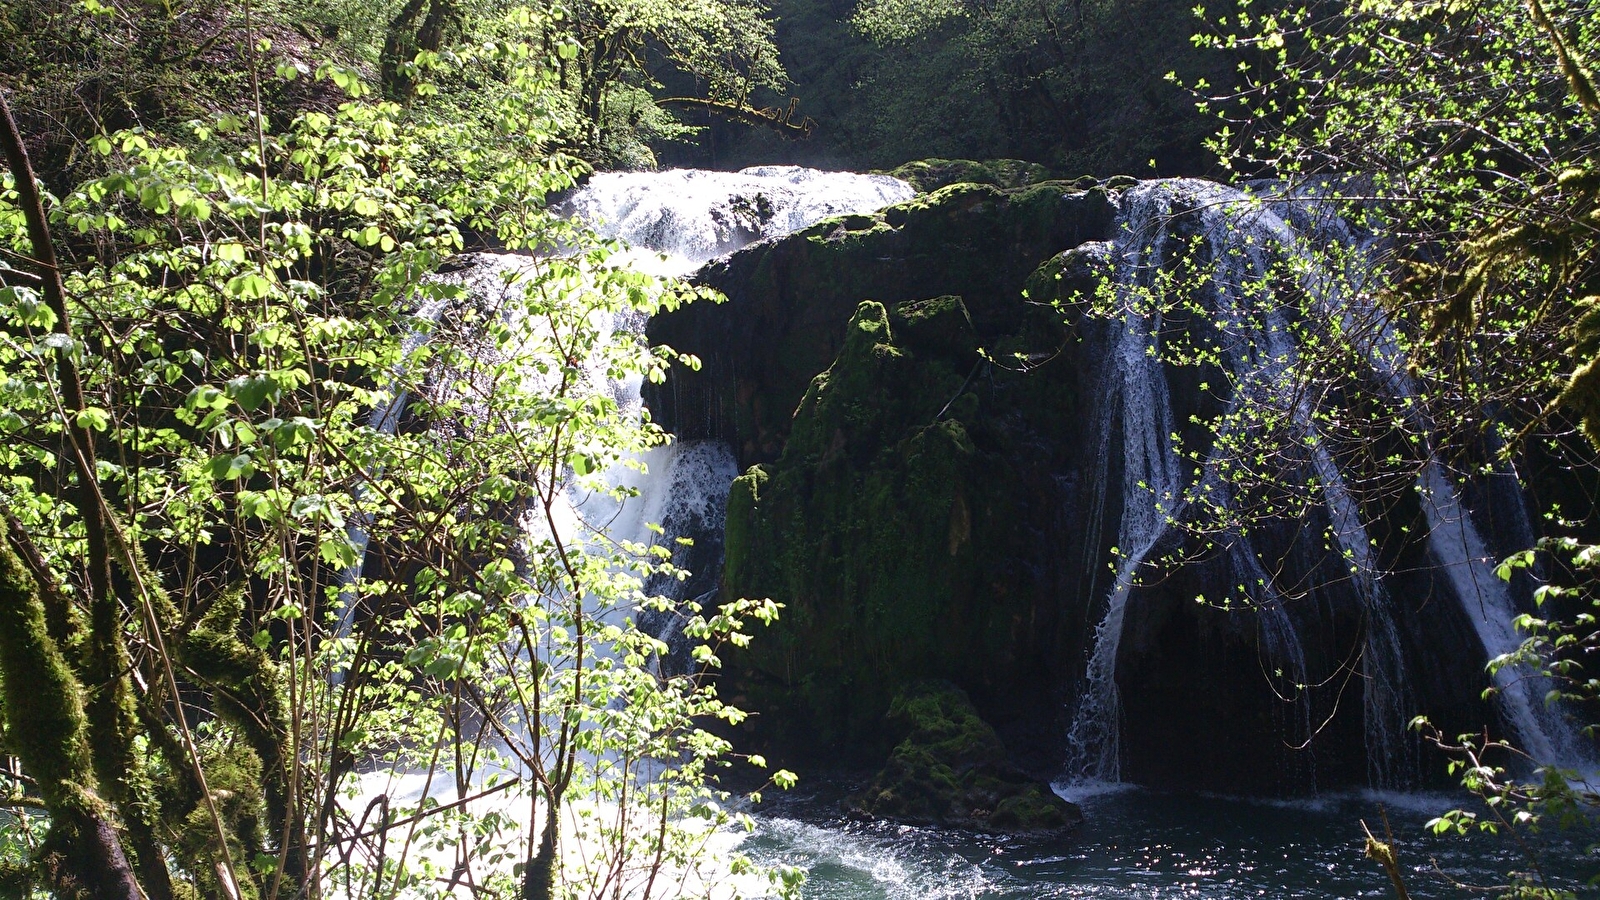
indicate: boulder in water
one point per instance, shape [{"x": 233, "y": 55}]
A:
[{"x": 951, "y": 770}]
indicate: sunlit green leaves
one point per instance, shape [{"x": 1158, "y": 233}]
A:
[{"x": 237, "y": 351}]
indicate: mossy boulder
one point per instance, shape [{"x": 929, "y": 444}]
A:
[
  {"x": 951, "y": 769},
  {"x": 931, "y": 174},
  {"x": 909, "y": 423},
  {"x": 789, "y": 300}
]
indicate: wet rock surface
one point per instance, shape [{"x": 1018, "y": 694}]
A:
[{"x": 952, "y": 770}]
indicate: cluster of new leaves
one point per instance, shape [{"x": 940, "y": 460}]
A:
[
  {"x": 1468, "y": 126},
  {"x": 1461, "y": 137},
  {"x": 358, "y": 613},
  {"x": 1559, "y": 640}
]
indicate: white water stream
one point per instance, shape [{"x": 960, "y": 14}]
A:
[
  {"x": 671, "y": 223},
  {"x": 1246, "y": 239}
]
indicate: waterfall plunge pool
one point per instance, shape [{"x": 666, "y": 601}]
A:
[{"x": 1143, "y": 843}]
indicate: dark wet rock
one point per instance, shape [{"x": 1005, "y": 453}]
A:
[
  {"x": 933, "y": 456},
  {"x": 951, "y": 769},
  {"x": 909, "y": 527},
  {"x": 789, "y": 300}
]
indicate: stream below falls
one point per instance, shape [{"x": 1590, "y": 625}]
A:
[{"x": 1148, "y": 844}]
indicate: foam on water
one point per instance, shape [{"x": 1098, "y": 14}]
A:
[
  {"x": 1137, "y": 843},
  {"x": 693, "y": 215}
]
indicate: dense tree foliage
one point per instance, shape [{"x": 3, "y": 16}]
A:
[
  {"x": 1460, "y": 138},
  {"x": 1078, "y": 85},
  {"x": 286, "y": 508}
]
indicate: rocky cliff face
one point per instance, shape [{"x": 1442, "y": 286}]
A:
[
  {"x": 943, "y": 455},
  {"x": 789, "y": 300}
]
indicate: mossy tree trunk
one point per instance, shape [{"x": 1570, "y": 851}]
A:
[
  {"x": 76, "y": 721},
  {"x": 82, "y": 857}
]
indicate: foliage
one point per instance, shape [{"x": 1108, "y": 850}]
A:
[
  {"x": 1073, "y": 85},
  {"x": 268, "y": 458},
  {"x": 1471, "y": 128},
  {"x": 724, "y": 46},
  {"x": 1520, "y": 795},
  {"x": 1476, "y": 146}
]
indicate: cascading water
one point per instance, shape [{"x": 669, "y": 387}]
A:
[
  {"x": 1246, "y": 239},
  {"x": 1457, "y": 548},
  {"x": 673, "y": 222},
  {"x": 691, "y": 215},
  {"x": 1137, "y": 417},
  {"x": 1256, "y": 350}
]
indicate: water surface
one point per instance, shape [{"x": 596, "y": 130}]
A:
[{"x": 1148, "y": 844}]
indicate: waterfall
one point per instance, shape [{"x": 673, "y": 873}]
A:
[
  {"x": 1137, "y": 417},
  {"x": 692, "y": 215},
  {"x": 1455, "y": 546},
  {"x": 1458, "y": 550},
  {"x": 1246, "y": 239},
  {"x": 1246, "y": 236},
  {"x": 672, "y": 222}
]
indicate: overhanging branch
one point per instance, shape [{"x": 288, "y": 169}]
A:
[{"x": 779, "y": 119}]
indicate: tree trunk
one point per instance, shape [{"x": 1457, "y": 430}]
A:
[
  {"x": 105, "y": 665},
  {"x": 539, "y": 879},
  {"x": 82, "y": 857}
]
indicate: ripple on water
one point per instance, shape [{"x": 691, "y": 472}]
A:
[{"x": 1138, "y": 843}]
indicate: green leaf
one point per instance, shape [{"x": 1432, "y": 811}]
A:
[
  {"x": 582, "y": 464},
  {"x": 93, "y": 418},
  {"x": 227, "y": 467},
  {"x": 249, "y": 286}
]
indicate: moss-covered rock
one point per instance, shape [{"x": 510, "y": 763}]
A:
[
  {"x": 789, "y": 300},
  {"x": 900, "y": 526},
  {"x": 908, "y": 416},
  {"x": 951, "y": 769},
  {"x": 937, "y": 485},
  {"x": 931, "y": 174}
]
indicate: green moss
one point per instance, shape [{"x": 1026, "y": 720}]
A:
[
  {"x": 744, "y": 497},
  {"x": 248, "y": 697},
  {"x": 1072, "y": 280},
  {"x": 941, "y": 325},
  {"x": 885, "y": 528},
  {"x": 45, "y": 720},
  {"x": 951, "y": 769},
  {"x": 1032, "y": 811},
  {"x": 931, "y": 174},
  {"x": 47, "y": 729}
]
